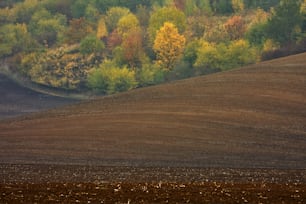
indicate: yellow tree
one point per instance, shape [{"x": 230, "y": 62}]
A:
[
  {"x": 168, "y": 45},
  {"x": 102, "y": 29},
  {"x": 238, "y": 5}
]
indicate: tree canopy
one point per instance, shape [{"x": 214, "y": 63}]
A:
[{"x": 110, "y": 46}]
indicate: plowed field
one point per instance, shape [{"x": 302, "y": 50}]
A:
[{"x": 249, "y": 118}]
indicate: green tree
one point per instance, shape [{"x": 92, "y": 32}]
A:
[
  {"x": 78, "y": 8},
  {"x": 47, "y": 28},
  {"x": 24, "y": 10},
  {"x": 256, "y": 34},
  {"x": 7, "y": 16},
  {"x": 59, "y": 6},
  {"x": 14, "y": 39},
  {"x": 285, "y": 22},
  {"x": 196, "y": 7},
  {"x": 222, "y": 6},
  {"x": 150, "y": 74},
  {"x": 303, "y": 13},
  {"x": 204, "y": 6},
  {"x": 91, "y": 44},
  {"x": 91, "y": 14},
  {"x": 190, "y": 53},
  {"x": 256, "y": 31},
  {"x": 168, "y": 45},
  {"x": 240, "y": 53},
  {"x": 213, "y": 56},
  {"x": 263, "y": 4},
  {"x": 209, "y": 57},
  {"x": 142, "y": 15},
  {"x": 113, "y": 15}
]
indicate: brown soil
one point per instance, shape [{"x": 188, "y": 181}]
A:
[
  {"x": 85, "y": 184},
  {"x": 251, "y": 118}
]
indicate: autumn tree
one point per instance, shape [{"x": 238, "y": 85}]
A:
[
  {"x": 238, "y": 5},
  {"x": 113, "y": 40},
  {"x": 235, "y": 27},
  {"x": 102, "y": 29},
  {"x": 196, "y": 26},
  {"x": 168, "y": 45},
  {"x": 77, "y": 30},
  {"x": 126, "y": 23},
  {"x": 167, "y": 14},
  {"x": 61, "y": 67},
  {"x": 132, "y": 47},
  {"x": 215, "y": 31}
]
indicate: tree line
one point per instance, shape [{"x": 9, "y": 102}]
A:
[{"x": 110, "y": 46}]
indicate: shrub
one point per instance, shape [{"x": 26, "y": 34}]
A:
[
  {"x": 109, "y": 78},
  {"x": 239, "y": 53},
  {"x": 91, "y": 44},
  {"x": 212, "y": 56},
  {"x": 150, "y": 74}
]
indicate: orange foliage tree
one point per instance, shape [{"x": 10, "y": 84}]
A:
[
  {"x": 235, "y": 27},
  {"x": 132, "y": 47},
  {"x": 168, "y": 45},
  {"x": 77, "y": 30}
]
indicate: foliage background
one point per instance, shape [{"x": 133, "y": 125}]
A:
[{"x": 110, "y": 46}]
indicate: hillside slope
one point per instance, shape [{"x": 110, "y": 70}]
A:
[
  {"x": 251, "y": 117},
  {"x": 17, "y": 100}
]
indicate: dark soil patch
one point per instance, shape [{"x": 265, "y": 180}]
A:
[
  {"x": 16, "y": 100},
  {"x": 152, "y": 193},
  {"x": 94, "y": 184}
]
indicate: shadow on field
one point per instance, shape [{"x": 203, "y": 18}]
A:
[{"x": 16, "y": 100}]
